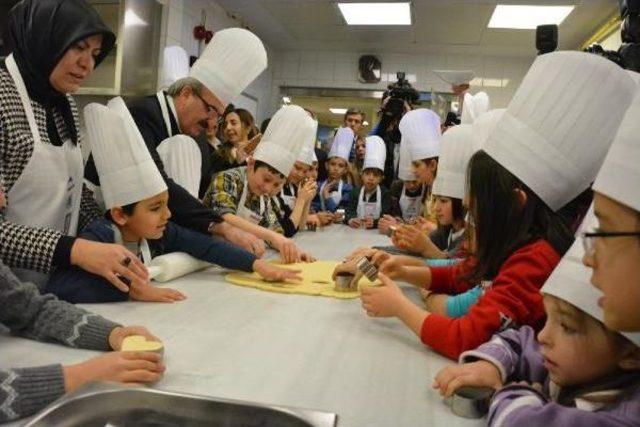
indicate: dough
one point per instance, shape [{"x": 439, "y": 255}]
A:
[
  {"x": 140, "y": 343},
  {"x": 316, "y": 281}
]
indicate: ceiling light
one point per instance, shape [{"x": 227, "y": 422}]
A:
[
  {"x": 527, "y": 17},
  {"x": 131, "y": 19},
  {"x": 338, "y": 110},
  {"x": 286, "y": 100},
  {"x": 376, "y": 13}
]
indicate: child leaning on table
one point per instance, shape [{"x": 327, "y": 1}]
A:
[
  {"x": 138, "y": 217},
  {"x": 577, "y": 373}
]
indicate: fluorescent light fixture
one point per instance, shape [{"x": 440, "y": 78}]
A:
[
  {"x": 376, "y": 13},
  {"x": 525, "y": 17},
  {"x": 131, "y": 19},
  {"x": 286, "y": 100},
  {"x": 338, "y": 110}
]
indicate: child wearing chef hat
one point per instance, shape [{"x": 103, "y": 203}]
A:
[
  {"x": 369, "y": 202},
  {"x": 138, "y": 216}
]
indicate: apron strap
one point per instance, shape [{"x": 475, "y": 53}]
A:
[
  {"x": 14, "y": 71},
  {"x": 165, "y": 112}
]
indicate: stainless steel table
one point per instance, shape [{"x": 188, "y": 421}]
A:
[{"x": 311, "y": 352}]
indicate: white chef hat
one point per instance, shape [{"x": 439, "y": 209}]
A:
[
  {"x": 619, "y": 177},
  {"x": 570, "y": 281},
  {"x": 182, "y": 161},
  {"x": 230, "y": 62},
  {"x": 175, "y": 65},
  {"x": 127, "y": 171},
  {"x": 342, "y": 143},
  {"x": 376, "y": 153},
  {"x": 484, "y": 125},
  {"x": 289, "y": 130},
  {"x": 560, "y": 123},
  {"x": 473, "y": 106},
  {"x": 421, "y": 131},
  {"x": 307, "y": 154},
  {"x": 456, "y": 149},
  {"x": 405, "y": 168}
]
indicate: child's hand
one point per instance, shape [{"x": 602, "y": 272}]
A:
[
  {"x": 325, "y": 217},
  {"x": 354, "y": 223},
  {"x": 475, "y": 374},
  {"x": 308, "y": 191},
  {"x": 118, "y": 334},
  {"x": 393, "y": 267},
  {"x": 435, "y": 303},
  {"x": 368, "y": 222},
  {"x": 385, "y": 223},
  {"x": 361, "y": 252},
  {"x": 328, "y": 188},
  {"x": 411, "y": 238},
  {"x": 274, "y": 273},
  {"x": 289, "y": 252},
  {"x": 150, "y": 293},
  {"x": 122, "y": 367},
  {"x": 384, "y": 300}
]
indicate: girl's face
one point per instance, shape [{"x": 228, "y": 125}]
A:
[
  {"x": 76, "y": 64},
  {"x": 444, "y": 210},
  {"x": 234, "y": 132},
  {"x": 312, "y": 173},
  {"x": 425, "y": 172},
  {"x": 616, "y": 264},
  {"x": 360, "y": 148},
  {"x": 336, "y": 167},
  {"x": 576, "y": 348}
]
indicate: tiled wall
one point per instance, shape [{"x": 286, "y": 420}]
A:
[{"x": 498, "y": 76}]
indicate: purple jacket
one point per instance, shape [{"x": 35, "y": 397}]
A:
[{"x": 516, "y": 355}]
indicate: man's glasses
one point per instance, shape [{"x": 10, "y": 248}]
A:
[
  {"x": 589, "y": 238},
  {"x": 211, "y": 109}
]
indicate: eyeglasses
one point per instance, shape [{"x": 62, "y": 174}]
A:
[
  {"x": 211, "y": 109},
  {"x": 589, "y": 239}
]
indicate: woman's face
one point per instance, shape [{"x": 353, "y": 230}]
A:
[
  {"x": 234, "y": 132},
  {"x": 76, "y": 64}
]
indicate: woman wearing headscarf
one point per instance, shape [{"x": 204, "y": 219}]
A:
[{"x": 54, "y": 45}]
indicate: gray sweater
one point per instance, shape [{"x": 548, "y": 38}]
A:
[{"x": 44, "y": 318}]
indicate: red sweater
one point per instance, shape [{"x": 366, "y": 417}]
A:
[{"x": 513, "y": 299}]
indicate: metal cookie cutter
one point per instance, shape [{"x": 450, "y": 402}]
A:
[
  {"x": 471, "y": 402},
  {"x": 343, "y": 282},
  {"x": 367, "y": 268}
]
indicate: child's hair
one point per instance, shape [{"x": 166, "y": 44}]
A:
[
  {"x": 378, "y": 173},
  {"x": 502, "y": 225},
  {"x": 260, "y": 164},
  {"x": 126, "y": 209},
  {"x": 625, "y": 381}
]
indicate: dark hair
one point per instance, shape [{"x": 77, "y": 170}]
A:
[
  {"x": 457, "y": 209},
  {"x": 353, "y": 111},
  {"x": 264, "y": 125},
  {"x": 376, "y": 171},
  {"x": 126, "y": 209},
  {"x": 260, "y": 164},
  {"x": 502, "y": 225},
  {"x": 246, "y": 118}
]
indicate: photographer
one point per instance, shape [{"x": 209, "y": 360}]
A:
[{"x": 396, "y": 102}]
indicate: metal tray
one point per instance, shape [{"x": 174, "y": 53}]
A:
[{"x": 111, "y": 405}]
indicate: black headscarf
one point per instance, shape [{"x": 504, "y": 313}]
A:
[{"x": 38, "y": 33}]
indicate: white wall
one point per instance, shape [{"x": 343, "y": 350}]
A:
[
  {"x": 182, "y": 15},
  {"x": 498, "y": 76}
]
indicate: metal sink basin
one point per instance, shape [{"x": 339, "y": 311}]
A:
[{"x": 108, "y": 405}]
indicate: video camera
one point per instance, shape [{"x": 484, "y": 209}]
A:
[{"x": 399, "y": 93}]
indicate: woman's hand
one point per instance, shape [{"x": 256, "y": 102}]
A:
[
  {"x": 122, "y": 367},
  {"x": 274, "y": 273},
  {"x": 475, "y": 374},
  {"x": 150, "y": 293},
  {"x": 119, "y": 333},
  {"x": 110, "y": 261}
]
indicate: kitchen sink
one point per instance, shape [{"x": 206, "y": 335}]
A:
[{"x": 110, "y": 405}]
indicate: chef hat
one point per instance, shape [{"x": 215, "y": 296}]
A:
[
  {"x": 230, "y": 62},
  {"x": 289, "y": 130},
  {"x": 560, "y": 123},
  {"x": 376, "y": 153},
  {"x": 342, "y": 143},
  {"x": 127, "y": 171},
  {"x": 405, "y": 168},
  {"x": 570, "y": 281},
  {"x": 421, "y": 131},
  {"x": 473, "y": 106},
  {"x": 175, "y": 65},
  {"x": 307, "y": 154},
  {"x": 455, "y": 151},
  {"x": 483, "y": 126},
  {"x": 619, "y": 177},
  {"x": 182, "y": 161}
]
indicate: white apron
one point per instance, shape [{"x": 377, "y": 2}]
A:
[
  {"x": 289, "y": 200},
  {"x": 411, "y": 207},
  {"x": 246, "y": 213},
  {"x": 48, "y": 191},
  {"x": 336, "y": 196},
  {"x": 370, "y": 209}
]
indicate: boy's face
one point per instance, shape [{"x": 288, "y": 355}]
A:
[
  {"x": 371, "y": 179},
  {"x": 411, "y": 186},
  {"x": 575, "y": 347},
  {"x": 262, "y": 181},
  {"x": 336, "y": 167},
  {"x": 616, "y": 264},
  {"x": 298, "y": 173},
  {"x": 425, "y": 172},
  {"x": 149, "y": 218},
  {"x": 312, "y": 173}
]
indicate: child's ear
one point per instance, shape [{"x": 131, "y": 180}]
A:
[
  {"x": 630, "y": 358},
  {"x": 118, "y": 216},
  {"x": 521, "y": 197}
]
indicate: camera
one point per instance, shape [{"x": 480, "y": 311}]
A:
[{"x": 399, "y": 93}]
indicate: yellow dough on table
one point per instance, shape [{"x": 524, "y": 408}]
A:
[
  {"x": 316, "y": 281},
  {"x": 140, "y": 343}
]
